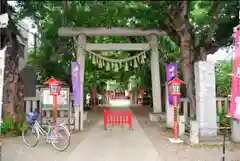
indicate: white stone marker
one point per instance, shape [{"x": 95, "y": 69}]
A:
[{"x": 206, "y": 98}]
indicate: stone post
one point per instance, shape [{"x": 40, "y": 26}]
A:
[
  {"x": 155, "y": 74},
  {"x": 206, "y": 98},
  {"x": 181, "y": 125},
  {"x": 235, "y": 130},
  {"x": 194, "y": 132},
  {"x": 79, "y": 116}
]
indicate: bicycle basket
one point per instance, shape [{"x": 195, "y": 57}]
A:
[{"x": 31, "y": 117}]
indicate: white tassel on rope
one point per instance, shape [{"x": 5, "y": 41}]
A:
[
  {"x": 100, "y": 63},
  {"x": 126, "y": 67},
  {"x": 120, "y": 65},
  {"x": 131, "y": 63},
  {"x": 113, "y": 64},
  {"x": 142, "y": 60},
  {"x": 108, "y": 67},
  {"x": 93, "y": 59},
  {"x": 135, "y": 65},
  {"x": 138, "y": 58},
  {"x": 116, "y": 67}
]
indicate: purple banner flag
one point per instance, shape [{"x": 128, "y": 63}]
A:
[
  {"x": 76, "y": 82},
  {"x": 171, "y": 71}
]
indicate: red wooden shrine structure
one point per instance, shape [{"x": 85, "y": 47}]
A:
[
  {"x": 121, "y": 116},
  {"x": 113, "y": 117}
]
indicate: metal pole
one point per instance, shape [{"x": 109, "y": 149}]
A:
[{"x": 224, "y": 145}]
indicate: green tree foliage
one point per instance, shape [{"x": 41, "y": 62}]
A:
[
  {"x": 194, "y": 30},
  {"x": 223, "y": 78}
]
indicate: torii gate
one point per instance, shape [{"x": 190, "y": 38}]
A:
[{"x": 82, "y": 45}]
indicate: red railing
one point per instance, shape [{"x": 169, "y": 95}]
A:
[{"x": 117, "y": 117}]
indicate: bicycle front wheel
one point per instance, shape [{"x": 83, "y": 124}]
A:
[
  {"x": 60, "y": 137},
  {"x": 30, "y": 136}
]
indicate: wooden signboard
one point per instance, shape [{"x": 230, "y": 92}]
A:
[{"x": 62, "y": 99}]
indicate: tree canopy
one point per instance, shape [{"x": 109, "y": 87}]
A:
[
  {"x": 194, "y": 30},
  {"x": 223, "y": 78}
]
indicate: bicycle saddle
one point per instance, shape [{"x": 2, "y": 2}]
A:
[{"x": 51, "y": 122}]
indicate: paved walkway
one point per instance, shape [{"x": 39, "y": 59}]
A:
[{"x": 115, "y": 145}]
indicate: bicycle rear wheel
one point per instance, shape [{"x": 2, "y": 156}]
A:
[
  {"x": 60, "y": 137},
  {"x": 30, "y": 136}
]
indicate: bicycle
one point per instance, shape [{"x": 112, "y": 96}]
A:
[{"x": 52, "y": 135}]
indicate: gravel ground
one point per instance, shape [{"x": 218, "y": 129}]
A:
[
  {"x": 14, "y": 149},
  {"x": 182, "y": 152}
]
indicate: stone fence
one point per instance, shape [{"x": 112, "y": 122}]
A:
[{"x": 32, "y": 103}]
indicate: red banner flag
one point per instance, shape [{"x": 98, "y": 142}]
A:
[{"x": 234, "y": 110}]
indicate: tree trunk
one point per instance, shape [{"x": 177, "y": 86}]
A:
[
  {"x": 13, "y": 108},
  {"x": 13, "y": 102},
  {"x": 188, "y": 71},
  {"x": 178, "y": 22}
]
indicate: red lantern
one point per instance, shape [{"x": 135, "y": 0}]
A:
[
  {"x": 54, "y": 85},
  {"x": 55, "y": 88},
  {"x": 175, "y": 85}
]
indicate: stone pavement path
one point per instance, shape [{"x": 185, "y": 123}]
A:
[
  {"x": 14, "y": 150},
  {"x": 118, "y": 144}
]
